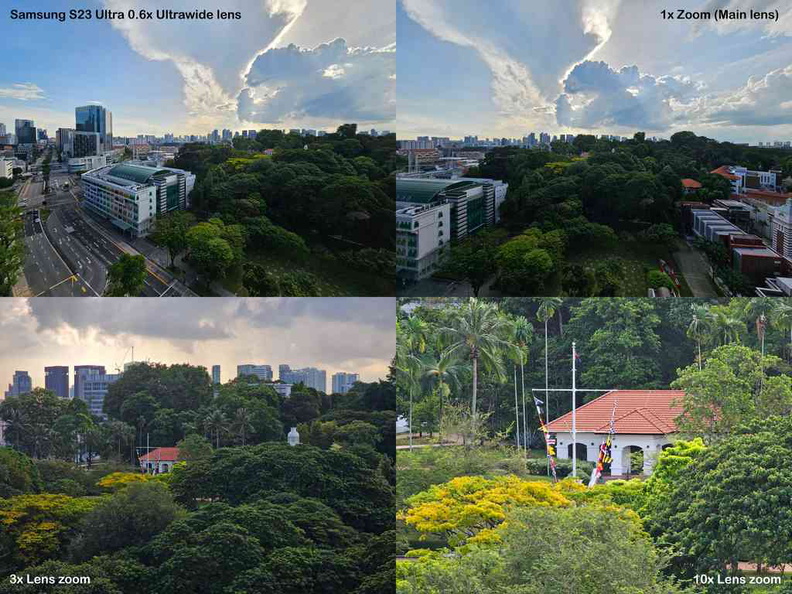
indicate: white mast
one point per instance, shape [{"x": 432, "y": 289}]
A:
[{"x": 574, "y": 414}]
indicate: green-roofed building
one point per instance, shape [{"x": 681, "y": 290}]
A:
[{"x": 131, "y": 195}]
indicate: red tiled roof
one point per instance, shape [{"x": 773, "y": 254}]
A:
[
  {"x": 691, "y": 183},
  {"x": 724, "y": 171},
  {"x": 637, "y": 411},
  {"x": 166, "y": 454}
]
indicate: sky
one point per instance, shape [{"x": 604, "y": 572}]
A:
[
  {"x": 284, "y": 64},
  {"x": 592, "y": 66},
  {"x": 336, "y": 334}
]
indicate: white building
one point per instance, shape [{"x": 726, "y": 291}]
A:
[
  {"x": 263, "y": 372},
  {"x": 6, "y": 168},
  {"x": 644, "y": 421},
  {"x": 131, "y": 196},
  {"x": 781, "y": 224},
  {"x": 421, "y": 233},
  {"x": 83, "y": 164},
  {"x": 282, "y": 389},
  {"x": 343, "y": 382},
  {"x": 159, "y": 460},
  {"x": 309, "y": 376},
  {"x": 91, "y": 383}
]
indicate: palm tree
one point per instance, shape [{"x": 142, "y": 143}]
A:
[
  {"x": 547, "y": 309},
  {"x": 476, "y": 330},
  {"x": 523, "y": 332},
  {"x": 781, "y": 317},
  {"x": 16, "y": 425},
  {"x": 443, "y": 370},
  {"x": 697, "y": 328},
  {"x": 725, "y": 327},
  {"x": 241, "y": 424},
  {"x": 411, "y": 344},
  {"x": 216, "y": 422}
]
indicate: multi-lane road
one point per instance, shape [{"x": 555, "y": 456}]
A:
[{"x": 70, "y": 252}]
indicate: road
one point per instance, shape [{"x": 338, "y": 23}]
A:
[
  {"x": 70, "y": 252},
  {"x": 694, "y": 267}
]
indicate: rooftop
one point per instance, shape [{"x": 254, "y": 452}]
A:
[
  {"x": 646, "y": 412},
  {"x": 691, "y": 183},
  {"x": 167, "y": 454}
]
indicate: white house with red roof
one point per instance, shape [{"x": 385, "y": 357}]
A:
[
  {"x": 644, "y": 421},
  {"x": 159, "y": 460}
]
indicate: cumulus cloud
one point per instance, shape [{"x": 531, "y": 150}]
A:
[
  {"x": 762, "y": 101},
  {"x": 528, "y": 47},
  {"x": 331, "y": 81},
  {"x": 22, "y": 92},
  {"x": 597, "y": 96}
]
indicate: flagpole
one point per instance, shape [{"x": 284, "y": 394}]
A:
[{"x": 574, "y": 413}]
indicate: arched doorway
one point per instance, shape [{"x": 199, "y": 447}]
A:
[
  {"x": 632, "y": 460},
  {"x": 581, "y": 451}
]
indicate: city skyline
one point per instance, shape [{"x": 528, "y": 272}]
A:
[
  {"x": 285, "y": 63},
  {"x": 586, "y": 67},
  {"x": 339, "y": 334}
]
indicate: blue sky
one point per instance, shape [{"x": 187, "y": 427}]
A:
[
  {"x": 591, "y": 66},
  {"x": 187, "y": 77}
]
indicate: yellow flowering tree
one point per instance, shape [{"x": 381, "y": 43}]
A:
[
  {"x": 118, "y": 480},
  {"x": 468, "y": 508}
]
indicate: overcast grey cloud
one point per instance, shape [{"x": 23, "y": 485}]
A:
[{"x": 337, "y": 334}]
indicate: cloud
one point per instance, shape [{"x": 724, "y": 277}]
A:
[
  {"x": 330, "y": 81},
  {"x": 211, "y": 56},
  {"x": 597, "y": 96},
  {"x": 762, "y": 101},
  {"x": 781, "y": 27},
  {"x": 22, "y": 92}
]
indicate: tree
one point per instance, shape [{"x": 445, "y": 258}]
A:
[
  {"x": 731, "y": 503},
  {"x": 18, "y": 474},
  {"x": 216, "y": 422},
  {"x": 12, "y": 246},
  {"x": 126, "y": 277},
  {"x": 130, "y": 517},
  {"x": 241, "y": 425},
  {"x": 473, "y": 259},
  {"x": 171, "y": 231},
  {"x": 730, "y": 389},
  {"x": 476, "y": 332},
  {"x": 210, "y": 252},
  {"x": 194, "y": 447}
]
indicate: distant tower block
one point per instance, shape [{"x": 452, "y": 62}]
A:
[{"x": 294, "y": 437}]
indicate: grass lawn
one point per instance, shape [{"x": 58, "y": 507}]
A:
[{"x": 637, "y": 258}]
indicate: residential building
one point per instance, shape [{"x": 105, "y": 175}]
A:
[
  {"x": 91, "y": 383},
  {"x": 159, "y": 460},
  {"x": 343, "y": 382},
  {"x": 2, "y": 129},
  {"x": 644, "y": 422},
  {"x": 310, "y": 376},
  {"x": 216, "y": 374},
  {"x": 98, "y": 120},
  {"x": 56, "y": 379},
  {"x": 20, "y": 384},
  {"x": 690, "y": 186},
  {"x": 131, "y": 196},
  {"x": 263, "y": 372},
  {"x": 25, "y": 131},
  {"x": 743, "y": 179}
]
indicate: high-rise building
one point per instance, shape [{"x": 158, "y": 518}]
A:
[
  {"x": 91, "y": 383},
  {"x": 96, "y": 119},
  {"x": 310, "y": 376},
  {"x": 227, "y": 135},
  {"x": 87, "y": 144},
  {"x": 25, "y": 131},
  {"x": 64, "y": 142},
  {"x": 263, "y": 372},
  {"x": 343, "y": 382},
  {"x": 2, "y": 129},
  {"x": 56, "y": 379},
  {"x": 216, "y": 374},
  {"x": 20, "y": 384}
]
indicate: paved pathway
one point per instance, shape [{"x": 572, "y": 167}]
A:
[{"x": 694, "y": 267}]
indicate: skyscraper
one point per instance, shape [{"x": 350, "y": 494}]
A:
[
  {"x": 96, "y": 119},
  {"x": 216, "y": 374},
  {"x": 91, "y": 383},
  {"x": 25, "y": 131},
  {"x": 310, "y": 376},
  {"x": 56, "y": 379},
  {"x": 2, "y": 129},
  {"x": 21, "y": 384},
  {"x": 263, "y": 372},
  {"x": 343, "y": 382}
]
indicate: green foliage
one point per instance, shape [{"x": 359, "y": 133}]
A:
[
  {"x": 526, "y": 262},
  {"x": 126, "y": 276},
  {"x": 18, "y": 473},
  {"x": 12, "y": 246},
  {"x": 194, "y": 447},
  {"x": 473, "y": 259},
  {"x": 171, "y": 231},
  {"x": 657, "y": 279}
]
